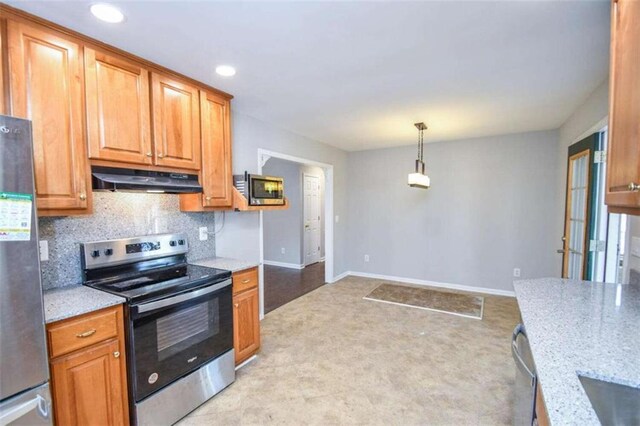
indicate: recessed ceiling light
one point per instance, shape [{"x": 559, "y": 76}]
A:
[
  {"x": 225, "y": 70},
  {"x": 107, "y": 13}
]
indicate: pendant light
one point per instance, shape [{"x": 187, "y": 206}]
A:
[{"x": 419, "y": 179}]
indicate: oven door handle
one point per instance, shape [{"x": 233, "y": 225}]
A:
[{"x": 151, "y": 306}]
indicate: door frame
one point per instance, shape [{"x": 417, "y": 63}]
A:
[
  {"x": 304, "y": 237},
  {"x": 263, "y": 156}
]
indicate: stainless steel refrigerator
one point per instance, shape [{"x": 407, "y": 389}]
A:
[{"x": 24, "y": 375}]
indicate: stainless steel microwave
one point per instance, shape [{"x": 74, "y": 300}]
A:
[{"x": 260, "y": 190}]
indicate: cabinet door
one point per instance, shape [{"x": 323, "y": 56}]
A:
[
  {"x": 623, "y": 162},
  {"x": 216, "y": 150},
  {"x": 3, "y": 101},
  {"x": 246, "y": 325},
  {"x": 176, "y": 123},
  {"x": 46, "y": 87},
  {"x": 89, "y": 386},
  {"x": 118, "y": 109}
]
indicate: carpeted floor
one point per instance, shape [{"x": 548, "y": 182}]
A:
[
  {"x": 331, "y": 357},
  {"x": 282, "y": 285}
]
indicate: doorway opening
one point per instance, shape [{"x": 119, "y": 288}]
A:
[{"x": 296, "y": 249}]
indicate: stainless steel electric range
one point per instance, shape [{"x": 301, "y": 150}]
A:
[{"x": 179, "y": 322}]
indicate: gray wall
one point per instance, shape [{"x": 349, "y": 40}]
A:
[
  {"x": 490, "y": 209},
  {"x": 240, "y": 237},
  {"x": 283, "y": 228},
  {"x": 118, "y": 215}
]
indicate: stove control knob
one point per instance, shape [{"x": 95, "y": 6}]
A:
[
  {"x": 181, "y": 242},
  {"x": 172, "y": 243},
  {"x": 95, "y": 253},
  {"x": 108, "y": 252}
]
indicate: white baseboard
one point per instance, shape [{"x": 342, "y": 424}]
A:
[
  {"x": 284, "y": 264},
  {"x": 322, "y": 259},
  {"x": 339, "y": 277},
  {"x": 485, "y": 290}
]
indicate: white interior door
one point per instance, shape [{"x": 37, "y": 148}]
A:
[{"x": 312, "y": 211}]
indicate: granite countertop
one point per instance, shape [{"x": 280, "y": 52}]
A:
[
  {"x": 70, "y": 301},
  {"x": 580, "y": 327},
  {"x": 232, "y": 265}
]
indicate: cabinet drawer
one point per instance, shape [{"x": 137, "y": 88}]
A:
[
  {"x": 76, "y": 333},
  {"x": 244, "y": 280}
]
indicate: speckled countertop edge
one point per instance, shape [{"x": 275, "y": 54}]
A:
[
  {"x": 70, "y": 301},
  {"x": 579, "y": 327},
  {"x": 226, "y": 263}
]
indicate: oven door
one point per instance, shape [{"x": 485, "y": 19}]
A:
[
  {"x": 265, "y": 190},
  {"x": 175, "y": 335}
]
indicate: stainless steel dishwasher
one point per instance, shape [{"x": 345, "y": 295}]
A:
[{"x": 524, "y": 409}]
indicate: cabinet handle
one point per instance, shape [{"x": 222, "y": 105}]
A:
[
  {"x": 236, "y": 304},
  {"x": 86, "y": 334},
  {"x": 207, "y": 198},
  {"x": 246, "y": 281},
  {"x": 82, "y": 196},
  {"x": 634, "y": 187},
  {"x": 149, "y": 154},
  {"x": 116, "y": 354},
  {"x": 160, "y": 155}
]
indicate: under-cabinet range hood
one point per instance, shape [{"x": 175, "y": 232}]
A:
[{"x": 117, "y": 179}]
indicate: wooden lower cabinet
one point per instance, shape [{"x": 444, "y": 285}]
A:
[
  {"x": 89, "y": 384},
  {"x": 246, "y": 315},
  {"x": 541, "y": 409}
]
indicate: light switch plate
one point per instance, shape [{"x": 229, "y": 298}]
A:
[
  {"x": 635, "y": 246},
  {"x": 44, "y": 250},
  {"x": 204, "y": 236}
]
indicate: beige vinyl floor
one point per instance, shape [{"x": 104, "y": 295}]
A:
[{"x": 331, "y": 357}]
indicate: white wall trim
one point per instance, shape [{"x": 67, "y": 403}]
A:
[
  {"x": 284, "y": 264},
  {"x": 264, "y": 155},
  {"x": 485, "y": 290},
  {"x": 598, "y": 127}
]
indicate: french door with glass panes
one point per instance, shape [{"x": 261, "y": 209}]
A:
[{"x": 583, "y": 173}]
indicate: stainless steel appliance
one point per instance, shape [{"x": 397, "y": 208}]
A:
[
  {"x": 260, "y": 190},
  {"x": 524, "y": 412},
  {"x": 130, "y": 180},
  {"x": 179, "y": 328},
  {"x": 24, "y": 373}
]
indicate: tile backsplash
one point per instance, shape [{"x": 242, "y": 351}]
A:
[{"x": 118, "y": 215}]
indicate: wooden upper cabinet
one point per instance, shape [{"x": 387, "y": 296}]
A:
[
  {"x": 176, "y": 123},
  {"x": 46, "y": 80},
  {"x": 216, "y": 150},
  {"x": 623, "y": 158},
  {"x": 118, "y": 109},
  {"x": 3, "y": 101}
]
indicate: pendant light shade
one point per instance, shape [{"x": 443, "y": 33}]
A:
[{"x": 419, "y": 179}]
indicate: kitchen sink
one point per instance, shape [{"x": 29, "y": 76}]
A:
[{"x": 614, "y": 403}]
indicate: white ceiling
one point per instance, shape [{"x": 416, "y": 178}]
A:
[{"x": 357, "y": 75}]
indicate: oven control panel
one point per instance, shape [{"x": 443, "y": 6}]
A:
[{"x": 100, "y": 254}]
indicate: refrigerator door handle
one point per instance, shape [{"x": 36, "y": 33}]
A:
[{"x": 15, "y": 413}]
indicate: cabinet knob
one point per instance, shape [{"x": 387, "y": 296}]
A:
[
  {"x": 116, "y": 354},
  {"x": 246, "y": 281},
  {"x": 83, "y": 196},
  {"x": 236, "y": 304},
  {"x": 634, "y": 187},
  {"x": 149, "y": 154},
  {"x": 160, "y": 155},
  {"x": 207, "y": 198}
]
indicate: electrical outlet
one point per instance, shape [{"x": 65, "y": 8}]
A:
[
  {"x": 282, "y": 250},
  {"x": 516, "y": 272},
  {"x": 635, "y": 246},
  {"x": 204, "y": 235},
  {"x": 44, "y": 250},
  {"x": 337, "y": 218},
  {"x": 366, "y": 257}
]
